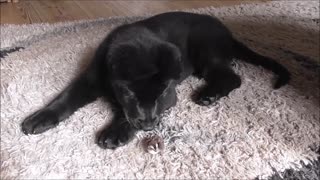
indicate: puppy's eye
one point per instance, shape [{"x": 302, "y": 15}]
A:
[{"x": 139, "y": 121}]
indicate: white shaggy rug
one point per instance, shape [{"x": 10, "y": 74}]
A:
[{"x": 255, "y": 132}]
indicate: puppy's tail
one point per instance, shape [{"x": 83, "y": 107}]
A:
[{"x": 244, "y": 53}]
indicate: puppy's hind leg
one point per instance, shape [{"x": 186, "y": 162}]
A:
[{"x": 220, "y": 81}]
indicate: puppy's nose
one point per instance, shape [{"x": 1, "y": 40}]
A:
[
  {"x": 148, "y": 125},
  {"x": 147, "y": 128}
]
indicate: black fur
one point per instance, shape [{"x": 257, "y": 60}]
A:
[{"x": 139, "y": 65}]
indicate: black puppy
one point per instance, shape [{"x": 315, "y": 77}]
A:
[{"x": 139, "y": 65}]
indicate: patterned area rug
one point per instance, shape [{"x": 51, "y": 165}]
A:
[{"x": 256, "y": 132}]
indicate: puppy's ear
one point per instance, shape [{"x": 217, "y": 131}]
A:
[{"x": 169, "y": 61}]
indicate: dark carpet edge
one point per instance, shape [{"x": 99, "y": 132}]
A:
[{"x": 5, "y": 52}]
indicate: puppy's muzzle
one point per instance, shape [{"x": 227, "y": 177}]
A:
[{"x": 147, "y": 125}]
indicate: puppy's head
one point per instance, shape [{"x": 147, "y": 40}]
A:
[{"x": 143, "y": 80}]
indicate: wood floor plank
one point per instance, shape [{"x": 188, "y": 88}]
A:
[
  {"x": 50, "y": 11},
  {"x": 68, "y": 10},
  {"x": 37, "y": 11},
  {"x": 10, "y": 13},
  {"x": 95, "y": 9},
  {"x": 31, "y": 15}
]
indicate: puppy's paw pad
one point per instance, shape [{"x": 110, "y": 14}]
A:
[
  {"x": 206, "y": 101},
  {"x": 39, "y": 122},
  {"x": 111, "y": 139}
]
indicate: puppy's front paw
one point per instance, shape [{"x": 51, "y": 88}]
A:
[
  {"x": 39, "y": 122},
  {"x": 114, "y": 137}
]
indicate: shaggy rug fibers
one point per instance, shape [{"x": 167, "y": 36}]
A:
[{"x": 255, "y": 132}]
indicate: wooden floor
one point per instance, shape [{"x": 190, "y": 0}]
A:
[{"x": 38, "y": 11}]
